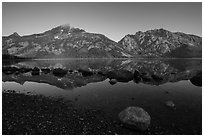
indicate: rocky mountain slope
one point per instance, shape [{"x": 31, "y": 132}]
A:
[
  {"x": 162, "y": 43},
  {"x": 62, "y": 41},
  {"x": 68, "y": 42}
]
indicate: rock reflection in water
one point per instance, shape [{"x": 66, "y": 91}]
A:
[{"x": 72, "y": 74}]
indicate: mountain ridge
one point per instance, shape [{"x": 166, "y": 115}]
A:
[
  {"x": 161, "y": 43},
  {"x": 65, "y": 41}
]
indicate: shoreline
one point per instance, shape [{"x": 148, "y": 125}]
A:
[
  {"x": 28, "y": 114},
  {"x": 24, "y": 114}
]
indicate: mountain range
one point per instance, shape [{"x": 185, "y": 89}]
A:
[{"x": 68, "y": 42}]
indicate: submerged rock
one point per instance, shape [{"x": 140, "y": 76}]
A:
[
  {"x": 113, "y": 81},
  {"x": 170, "y": 104},
  {"x": 135, "y": 118}
]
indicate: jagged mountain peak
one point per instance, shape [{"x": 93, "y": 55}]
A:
[
  {"x": 62, "y": 27},
  {"x": 153, "y": 30},
  {"x": 15, "y": 34},
  {"x": 65, "y": 28},
  {"x": 62, "y": 42},
  {"x": 65, "y": 25},
  {"x": 66, "y": 41},
  {"x": 160, "y": 29},
  {"x": 160, "y": 32},
  {"x": 162, "y": 43}
]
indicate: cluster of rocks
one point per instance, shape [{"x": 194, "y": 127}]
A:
[
  {"x": 59, "y": 72},
  {"x": 114, "y": 75}
]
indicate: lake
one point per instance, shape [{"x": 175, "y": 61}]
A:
[{"x": 111, "y": 85}]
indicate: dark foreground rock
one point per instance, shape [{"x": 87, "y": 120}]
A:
[{"x": 136, "y": 118}]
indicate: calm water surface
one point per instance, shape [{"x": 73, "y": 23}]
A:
[{"x": 113, "y": 85}]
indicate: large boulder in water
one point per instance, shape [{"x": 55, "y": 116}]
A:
[
  {"x": 135, "y": 118},
  {"x": 197, "y": 80},
  {"x": 113, "y": 81}
]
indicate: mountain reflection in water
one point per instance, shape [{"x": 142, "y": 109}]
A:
[{"x": 69, "y": 74}]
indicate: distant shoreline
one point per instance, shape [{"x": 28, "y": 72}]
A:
[{"x": 22, "y": 58}]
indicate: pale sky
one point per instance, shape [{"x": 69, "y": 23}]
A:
[{"x": 115, "y": 20}]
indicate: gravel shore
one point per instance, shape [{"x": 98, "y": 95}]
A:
[
  {"x": 38, "y": 115},
  {"x": 26, "y": 114}
]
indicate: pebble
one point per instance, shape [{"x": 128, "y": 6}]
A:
[{"x": 170, "y": 104}]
